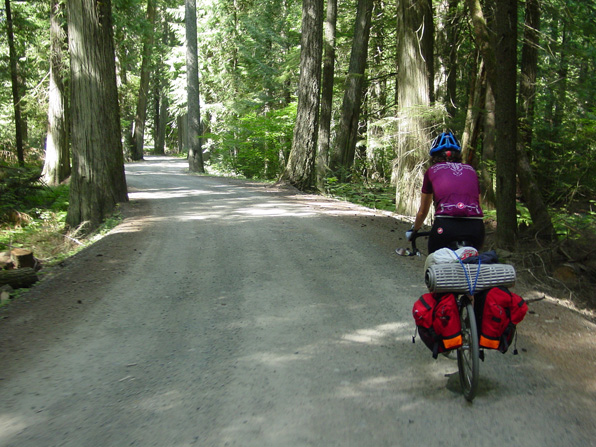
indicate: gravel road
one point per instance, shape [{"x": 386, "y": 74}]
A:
[{"x": 229, "y": 313}]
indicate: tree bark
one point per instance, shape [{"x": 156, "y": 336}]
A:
[
  {"x": 98, "y": 182},
  {"x": 452, "y": 30},
  {"x": 299, "y": 169},
  {"x": 57, "y": 160},
  {"x": 427, "y": 45},
  {"x": 500, "y": 60},
  {"x": 161, "y": 94},
  {"x": 376, "y": 166},
  {"x": 18, "y": 278},
  {"x": 413, "y": 99},
  {"x": 347, "y": 133},
  {"x": 476, "y": 97},
  {"x": 162, "y": 122},
  {"x": 543, "y": 225},
  {"x": 16, "y": 96},
  {"x": 195, "y": 151},
  {"x": 476, "y": 117},
  {"x": 182, "y": 121},
  {"x": 141, "y": 115},
  {"x": 506, "y": 121},
  {"x": 322, "y": 160},
  {"x": 483, "y": 40}
]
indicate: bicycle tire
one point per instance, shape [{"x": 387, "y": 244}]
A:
[{"x": 468, "y": 361}]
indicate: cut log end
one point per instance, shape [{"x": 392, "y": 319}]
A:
[{"x": 22, "y": 258}]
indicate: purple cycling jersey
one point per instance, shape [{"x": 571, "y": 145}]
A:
[{"x": 455, "y": 189}]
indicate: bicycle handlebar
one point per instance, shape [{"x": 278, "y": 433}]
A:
[{"x": 416, "y": 236}]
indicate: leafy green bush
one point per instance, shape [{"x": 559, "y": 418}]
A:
[
  {"x": 256, "y": 144},
  {"x": 19, "y": 188}
]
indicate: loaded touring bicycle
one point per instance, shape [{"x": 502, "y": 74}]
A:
[{"x": 468, "y": 307}]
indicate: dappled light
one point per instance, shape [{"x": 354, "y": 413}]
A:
[
  {"x": 11, "y": 424},
  {"x": 224, "y": 311},
  {"x": 172, "y": 193},
  {"x": 221, "y": 198},
  {"x": 379, "y": 334},
  {"x": 272, "y": 359},
  {"x": 161, "y": 403}
]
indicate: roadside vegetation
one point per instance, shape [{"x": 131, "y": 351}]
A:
[{"x": 33, "y": 216}]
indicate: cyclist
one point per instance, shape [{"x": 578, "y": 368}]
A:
[{"x": 453, "y": 187}]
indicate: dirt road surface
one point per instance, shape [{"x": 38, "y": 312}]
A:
[{"x": 229, "y": 313}]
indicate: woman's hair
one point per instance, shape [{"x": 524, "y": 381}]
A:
[{"x": 446, "y": 155}]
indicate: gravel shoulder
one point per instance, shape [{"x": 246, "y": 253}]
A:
[{"x": 226, "y": 312}]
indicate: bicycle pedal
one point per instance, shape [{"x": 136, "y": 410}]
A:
[{"x": 481, "y": 355}]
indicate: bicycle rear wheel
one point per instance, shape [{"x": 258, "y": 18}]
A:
[{"x": 468, "y": 355}]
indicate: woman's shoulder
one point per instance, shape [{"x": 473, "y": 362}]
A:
[{"x": 451, "y": 166}]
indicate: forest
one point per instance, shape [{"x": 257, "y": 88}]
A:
[{"x": 325, "y": 96}]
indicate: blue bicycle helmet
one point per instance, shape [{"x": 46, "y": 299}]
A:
[{"x": 445, "y": 141}]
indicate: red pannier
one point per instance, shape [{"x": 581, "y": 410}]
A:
[
  {"x": 437, "y": 321},
  {"x": 498, "y": 311}
]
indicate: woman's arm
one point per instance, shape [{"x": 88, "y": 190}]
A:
[{"x": 426, "y": 201}]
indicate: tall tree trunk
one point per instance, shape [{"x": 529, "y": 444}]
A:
[
  {"x": 469, "y": 137},
  {"x": 98, "y": 182},
  {"x": 195, "y": 150},
  {"x": 543, "y": 225},
  {"x": 141, "y": 115},
  {"x": 478, "y": 116},
  {"x": 501, "y": 63},
  {"x": 347, "y": 132},
  {"x": 182, "y": 121},
  {"x": 561, "y": 85},
  {"x": 489, "y": 124},
  {"x": 16, "y": 96},
  {"x": 57, "y": 156},
  {"x": 300, "y": 166},
  {"x": 126, "y": 109},
  {"x": 162, "y": 86},
  {"x": 377, "y": 94},
  {"x": 427, "y": 46},
  {"x": 452, "y": 30},
  {"x": 160, "y": 131},
  {"x": 413, "y": 99},
  {"x": 506, "y": 121},
  {"x": 484, "y": 40},
  {"x": 322, "y": 161}
]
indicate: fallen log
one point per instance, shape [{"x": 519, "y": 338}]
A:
[{"x": 18, "y": 278}]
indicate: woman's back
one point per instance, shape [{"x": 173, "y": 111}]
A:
[{"x": 455, "y": 189}]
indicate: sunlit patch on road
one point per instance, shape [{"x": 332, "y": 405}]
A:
[{"x": 379, "y": 334}]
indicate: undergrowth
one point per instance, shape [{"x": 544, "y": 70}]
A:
[
  {"x": 37, "y": 222},
  {"x": 380, "y": 196}
]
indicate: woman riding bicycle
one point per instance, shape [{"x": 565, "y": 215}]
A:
[{"x": 453, "y": 187}]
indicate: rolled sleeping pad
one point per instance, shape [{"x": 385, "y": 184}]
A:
[{"x": 451, "y": 277}]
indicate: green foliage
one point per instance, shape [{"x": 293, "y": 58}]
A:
[
  {"x": 379, "y": 196},
  {"x": 565, "y": 162},
  {"x": 19, "y": 188},
  {"x": 39, "y": 226},
  {"x": 570, "y": 222},
  {"x": 256, "y": 143},
  {"x": 36, "y": 221},
  {"x": 564, "y": 149},
  {"x": 575, "y": 224},
  {"x": 31, "y": 36}
]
